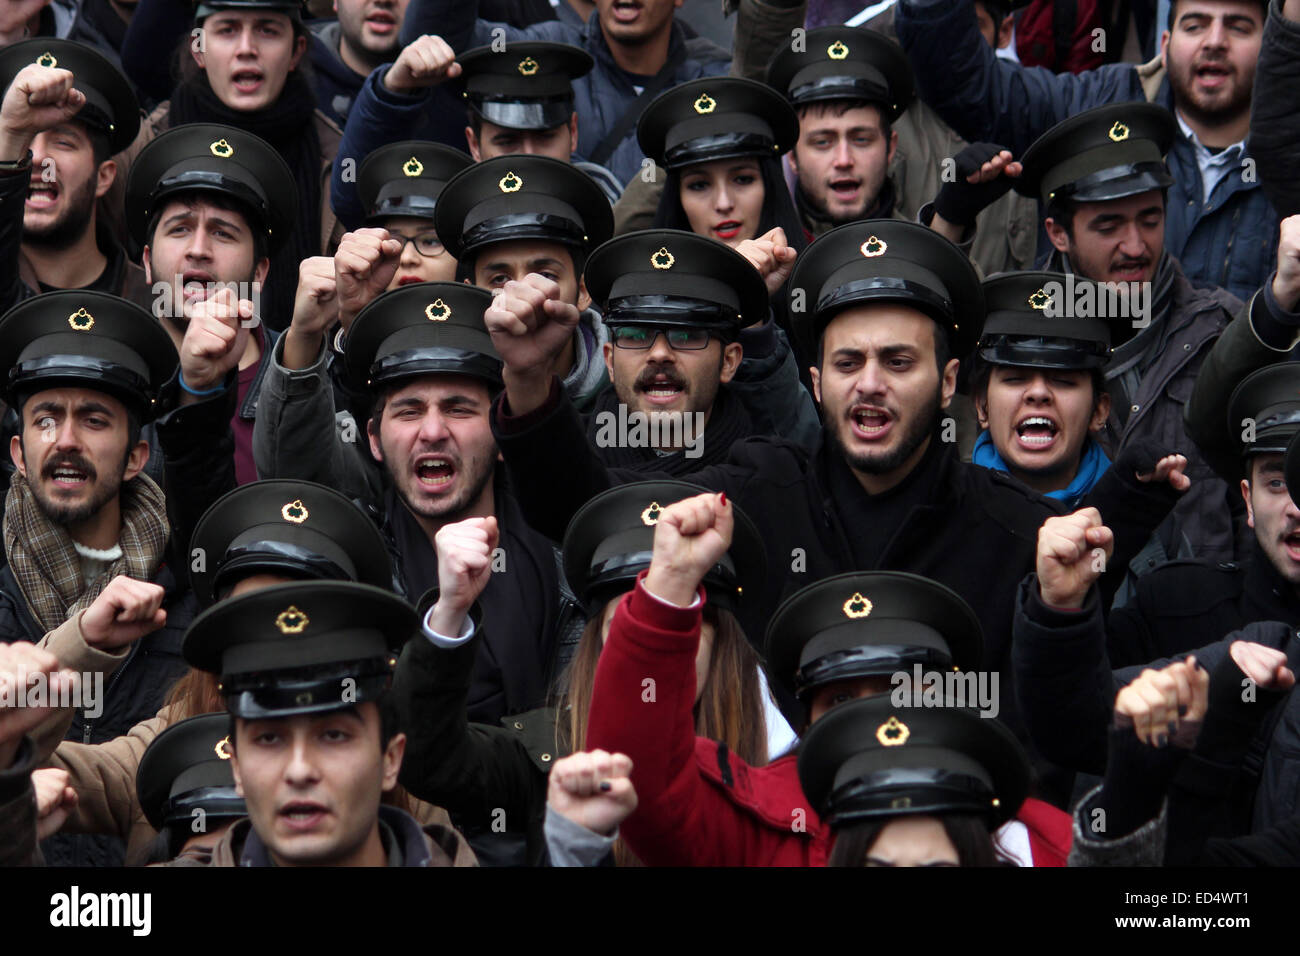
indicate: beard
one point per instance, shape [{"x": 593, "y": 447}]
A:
[
  {"x": 69, "y": 514},
  {"x": 922, "y": 426},
  {"x": 476, "y": 478},
  {"x": 69, "y": 227},
  {"x": 1212, "y": 110}
]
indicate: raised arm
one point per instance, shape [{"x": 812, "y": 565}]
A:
[{"x": 983, "y": 97}]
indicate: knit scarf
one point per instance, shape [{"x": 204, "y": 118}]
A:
[
  {"x": 1092, "y": 465},
  {"x": 45, "y": 562},
  {"x": 288, "y": 125}
]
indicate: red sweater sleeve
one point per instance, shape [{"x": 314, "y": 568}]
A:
[{"x": 642, "y": 706}]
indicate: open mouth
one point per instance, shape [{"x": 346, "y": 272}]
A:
[
  {"x": 435, "y": 473},
  {"x": 626, "y": 11},
  {"x": 247, "y": 81},
  {"x": 871, "y": 423},
  {"x": 845, "y": 188},
  {"x": 1130, "y": 271},
  {"x": 194, "y": 285},
  {"x": 727, "y": 230},
  {"x": 662, "y": 389},
  {"x": 42, "y": 195},
  {"x": 301, "y": 815},
  {"x": 1292, "y": 544},
  {"x": 1213, "y": 74},
  {"x": 1036, "y": 432},
  {"x": 381, "y": 22},
  {"x": 69, "y": 475}
]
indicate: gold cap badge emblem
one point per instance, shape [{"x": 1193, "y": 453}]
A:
[
  {"x": 892, "y": 733},
  {"x": 1039, "y": 300},
  {"x": 47, "y": 59},
  {"x": 705, "y": 104},
  {"x": 651, "y": 515},
  {"x": 837, "y": 50},
  {"x": 291, "y": 621},
  {"x": 1118, "y": 132},
  {"x": 81, "y": 320},
  {"x": 857, "y": 606},
  {"x": 663, "y": 259},
  {"x": 873, "y": 247},
  {"x": 528, "y": 66},
  {"x": 222, "y": 149},
  {"x": 295, "y": 512},
  {"x": 222, "y": 749},
  {"x": 412, "y": 167},
  {"x": 437, "y": 311},
  {"x": 510, "y": 183}
]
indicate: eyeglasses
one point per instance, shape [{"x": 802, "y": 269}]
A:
[
  {"x": 643, "y": 337},
  {"x": 427, "y": 244}
]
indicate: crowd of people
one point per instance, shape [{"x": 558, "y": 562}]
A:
[{"x": 498, "y": 433}]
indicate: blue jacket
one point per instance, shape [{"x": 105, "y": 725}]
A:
[
  {"x": 1229, "y": 241},
  {"x": 601, "y": 97},
  {"x": 378, "y": 117}
]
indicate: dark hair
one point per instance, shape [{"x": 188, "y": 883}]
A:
[
  {"x": 969, "y": 834},
  {"x": 100, "y": 148},
  {"x": 1173, "y": 7},
  {"x": 261, "y": 240},
  {"x": 184, "y": 69},
  {"x": 982, "y": 372},
  {"x": 840, "y": 107},
  {"x": 1063, "y": 210},
  {"x": 134, "y": 418},
  {"x": 778, "y": 206}
]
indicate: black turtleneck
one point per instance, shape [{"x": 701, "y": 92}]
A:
[{"x": 871, "y": 521}]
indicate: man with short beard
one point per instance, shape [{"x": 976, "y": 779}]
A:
[
  {"x": 424, "y": 455},
  {"x": 883, "y": 489},
  {"x": 84, "y": 371},
  {"x": 57, "y": 156},
  {"x": 1221, "y": 226},
  {"x": 1102, "y": 182}
]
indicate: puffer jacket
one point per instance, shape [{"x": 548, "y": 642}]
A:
[{"x": 1228, "y": 239}]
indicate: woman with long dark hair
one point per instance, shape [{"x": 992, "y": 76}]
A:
[
  {"x": 490, "y": 775},
  {"x": 721, "y": 140}
]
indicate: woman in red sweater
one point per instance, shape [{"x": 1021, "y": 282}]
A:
[{"x": 700, "y": 805}]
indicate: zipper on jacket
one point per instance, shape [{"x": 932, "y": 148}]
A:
[{"x": 88, "y": 724}]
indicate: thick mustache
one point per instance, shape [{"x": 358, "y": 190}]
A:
[
  {"x": 75, "y": 462},
  {"x": 647, "y": 379}
]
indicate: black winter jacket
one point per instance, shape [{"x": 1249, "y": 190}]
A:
[
  {"x": 491, "y": 778},
  {"x": 1067, "y": 691},
  {"x": 977, "y": 536}
]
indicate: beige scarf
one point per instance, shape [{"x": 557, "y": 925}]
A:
[{"x": 45, "y": 562}]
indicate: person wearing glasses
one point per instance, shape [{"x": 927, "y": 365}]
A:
[
  {"x": 681, "y": 311},
  {"x": 399, "y": 187}
]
